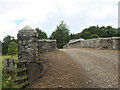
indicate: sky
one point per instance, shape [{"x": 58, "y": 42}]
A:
[{"x": 47, "y": 14}]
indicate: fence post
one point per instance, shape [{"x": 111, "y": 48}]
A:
[{"x": 9, "y": 66}]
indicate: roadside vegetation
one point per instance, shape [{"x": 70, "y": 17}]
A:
[
  {"x": 11, "y": 50},
  {"x": 7, "y": 81}
]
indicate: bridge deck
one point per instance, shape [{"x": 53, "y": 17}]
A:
[{"x": 79, "y": 68}]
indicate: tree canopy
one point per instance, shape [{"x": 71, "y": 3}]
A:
[
  {"x": 102, "y": 32},
  {"x": 61, "y": 34},
  {"x": 75, "y": 36},
  {"x": 118, "y": 31},
  {"x": 41, "y": 34},
  {"x": 94, "y": 36},
  {"x": 12, "y": 48},
  {"x": 6, "y": 41}
]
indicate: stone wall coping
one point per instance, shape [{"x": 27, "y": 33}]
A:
[
  {"x": 46, "y": 40},
  {"x": 78, "y": 40}
]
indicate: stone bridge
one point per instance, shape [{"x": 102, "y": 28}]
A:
[{"x": 80, "y": 66}]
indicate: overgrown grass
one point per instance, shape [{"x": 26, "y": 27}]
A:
[{"x": 7, "y": 81}]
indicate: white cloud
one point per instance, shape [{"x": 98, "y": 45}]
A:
[{"x": 46, "y": 14}]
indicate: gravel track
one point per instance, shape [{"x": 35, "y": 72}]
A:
[
  {"x": 99, "y": 66},
  {"x": 79, "y": 68}
]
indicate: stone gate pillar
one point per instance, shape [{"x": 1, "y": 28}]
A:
[
  {"x": 28, "y": 44},
  {"x": 28, "y": 49}
]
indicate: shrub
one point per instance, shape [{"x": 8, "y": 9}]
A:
[{"x": 94, "y": 36}]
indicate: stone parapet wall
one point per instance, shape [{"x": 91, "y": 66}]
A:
[
  {"x": 45, "y": 45},
  {"x": 101, "y": 43}
]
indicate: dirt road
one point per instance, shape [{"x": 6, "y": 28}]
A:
[
  {"x": 79, "y": 68},
  {"x": 99, "y": 66}
]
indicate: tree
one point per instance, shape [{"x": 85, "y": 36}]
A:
[
  {"x": 6, "y": 41},
  {"x": 41, "y": 34},
  {"x": 94, "y": 36},
  {"x": 12, "y": 48},
  {"x": 110, "y": 32},
  {"x": 75, "y": 36},
  {"x": 92, "y": 30},
  {"x": 86, "y": 34},
  {"x": 61, "y": 34},
  {"x": 100, "y": 31},
  {"x": 118, "y": 32}
]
